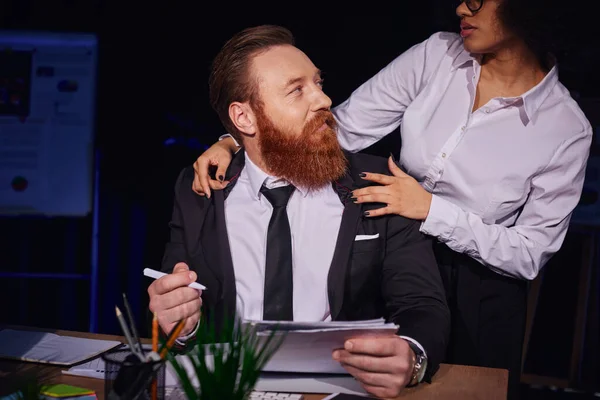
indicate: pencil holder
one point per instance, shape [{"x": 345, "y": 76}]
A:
[{"x": 126, "y": 378}]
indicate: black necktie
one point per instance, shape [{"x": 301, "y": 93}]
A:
[{"x": 278, "y": 293}]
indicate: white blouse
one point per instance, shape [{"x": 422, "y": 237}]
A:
[{"x": 505, "y": 178}]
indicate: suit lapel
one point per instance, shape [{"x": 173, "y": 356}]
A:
[
  {"x": 206, "y": 238},
  {"x": 214, "y": 240},
  {"x": 343, "y": 247},
  {"x": 222, "y": 251}
]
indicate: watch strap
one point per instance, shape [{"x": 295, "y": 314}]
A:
[{"x": 419, "y": 366}]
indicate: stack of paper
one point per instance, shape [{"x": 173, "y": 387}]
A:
[
  {"x": 45, "y": 347},
  {"x": 308, "y": 346},
  {"x": 67, "y": 392},
  {"x": 57, "y": 392}
]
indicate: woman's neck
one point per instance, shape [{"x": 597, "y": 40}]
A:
[{"x": 515, "y": 67}]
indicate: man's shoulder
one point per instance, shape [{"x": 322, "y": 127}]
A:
[
  {"x": 184, "y": 191},
  {"x": 361, "y": 162},
  {"x": 185, "y": 178}
]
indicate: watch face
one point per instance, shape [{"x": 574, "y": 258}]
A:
[{"x": 423, "y": 368}]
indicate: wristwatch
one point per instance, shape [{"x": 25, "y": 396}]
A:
[{"x": 420, "y": 366}]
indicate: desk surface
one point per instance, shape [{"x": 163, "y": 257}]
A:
[{"x": 450, "y": 382}]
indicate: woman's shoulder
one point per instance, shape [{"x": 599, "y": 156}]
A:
[
  {"x": 441, "y": 48},
  {"x": 450, "y": 39},
  {"x": 564, "y": 113},
  {"x": 444, "y": 42}
]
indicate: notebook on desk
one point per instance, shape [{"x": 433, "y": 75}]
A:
[{"x": 50, "y": 348}]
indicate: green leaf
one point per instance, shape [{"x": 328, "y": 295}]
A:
[
  {"x": 184, "y": 379},
  {"x": 238, "y": 358}
]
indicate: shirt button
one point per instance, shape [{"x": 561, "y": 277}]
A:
[
  {"x": 462, "y": 128},
  {"x": 443, "y": 155},
  {"x": 487, "y": 110}
]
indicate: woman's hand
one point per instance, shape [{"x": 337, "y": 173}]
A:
[
  {"x": 219, "y": 155},
  {"x": 401, "y": 192}
]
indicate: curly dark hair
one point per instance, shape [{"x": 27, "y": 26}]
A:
[{"x": 541, "y": 24}]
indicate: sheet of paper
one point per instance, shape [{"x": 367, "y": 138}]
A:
[
  {"x": 311, "y": 351},
  {"x": 50, "y": 348},
  {"x": 308, "y": 346},
  {"x": 300, "y": 325},
  {"x": 308, "y": 383}
]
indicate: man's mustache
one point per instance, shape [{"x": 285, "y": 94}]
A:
[{"x": 322, "y": 117}]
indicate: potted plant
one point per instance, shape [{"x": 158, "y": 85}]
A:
[{"x": 239, "y": 354}]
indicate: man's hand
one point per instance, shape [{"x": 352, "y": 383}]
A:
[
  {"x": 172, "y": 300},
  {"x": 219, "y": 155},
  {"x": 383, "y": 365}
]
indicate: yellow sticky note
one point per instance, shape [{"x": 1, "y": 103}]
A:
[{"x": 62, "y": 390}]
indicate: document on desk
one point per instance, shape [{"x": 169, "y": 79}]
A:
[
  {"x": 308, "y": 346},
  {"x": 96, "y": 369},
  {"x": 267, "y": 382},
  {"x": 308, "y": 383},
  {"x": 50, "y": 348}
]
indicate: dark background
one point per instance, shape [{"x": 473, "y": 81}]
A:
[{"x": 152, "y": 87}]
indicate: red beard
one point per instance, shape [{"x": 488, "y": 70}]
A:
[{"x": 308, "y": 161}]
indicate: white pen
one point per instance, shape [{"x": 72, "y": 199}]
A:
[{"x": 152, "y": 273}]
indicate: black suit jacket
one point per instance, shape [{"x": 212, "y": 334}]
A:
[{"x": 394, "y": 276}]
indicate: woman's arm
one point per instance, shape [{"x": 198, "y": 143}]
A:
[
  {"x": 218, "y": 155},
  {"x": 523, "y": 249},
  {"x": 377, "y": 107}
]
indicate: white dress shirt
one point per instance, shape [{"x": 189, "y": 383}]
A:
[
  {"x": 314, "y": 218},
  {"x": 505, "y": 178}
]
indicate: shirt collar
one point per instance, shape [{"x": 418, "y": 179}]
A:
[
  {"x": 532, "y": 99},
  {"x": 535, "y": 97},
  {"x": 462, "y": 58},
  {"x": 257, "y": 178}
]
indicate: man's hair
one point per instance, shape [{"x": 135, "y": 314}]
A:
[{"x": 230, "y": 77}]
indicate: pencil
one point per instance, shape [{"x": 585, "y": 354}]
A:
[
  {"x": 155, "y": 333},
  {"x": 125, "y": 329},
  {"x": 136, "y": 337},
  {"x": 154, "y": 349},
  {"x": 171, "y": 339}
]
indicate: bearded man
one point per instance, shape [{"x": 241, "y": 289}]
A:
[{"x": 285, "y": 240}]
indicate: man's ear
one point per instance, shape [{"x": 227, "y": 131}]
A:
[{"x": 243, "y": 117}]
